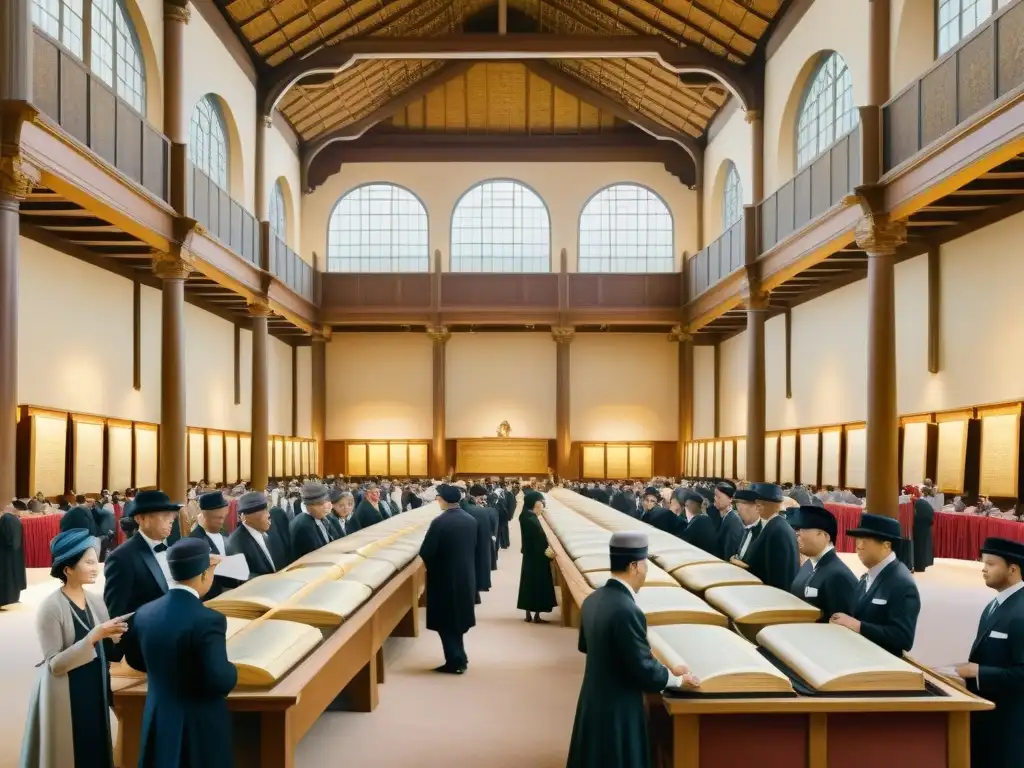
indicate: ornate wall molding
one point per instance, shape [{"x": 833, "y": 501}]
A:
[
  {"x": 438, "y": 333},
  {"x": 172, "y": 266},
  {"x": 563, "y": 334}
]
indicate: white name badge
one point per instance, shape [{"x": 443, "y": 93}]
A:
[
  {"x": 879, "y": 601},
  {"x": 999, "y": 635},
  {"x": 810, "y": 591}
]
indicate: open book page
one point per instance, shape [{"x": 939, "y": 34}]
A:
[
  {"x": 760, "y": 604},
  {"x": 372, "y": 573},
  {"x": 266, "y": 651},
  {"x": 698, "y": 578},
  {"x": 326, "y": 605},
  {"x": 256, "y": 597},
  {"x": 344, "y": 560},
  {"x": 677, "y": 606}
]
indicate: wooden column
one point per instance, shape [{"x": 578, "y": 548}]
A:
[
  {"x": 173, "y": 271},
  {"x": 563, "y": 337},
  {"x": 934, "y": 306},
  {"x": 753, "y": 116},
  {"x": 439, "y": 335},
  {"x": 176, "y": 17},
  {"x": 685, "y": 342},
  {"x": 318, "y": 401},
  {"x": 757, "y": 310},
  {"x": 262, "y": 203},
  {"x": 17, "y": 178},
  {"x": 260, "y": 396},
  {"x": 879, "y": 238},
  {"x": 878, "y": 52}
]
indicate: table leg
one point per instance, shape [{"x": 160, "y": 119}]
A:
[
  {"x": 686, "y": 741},
  {"x": 958, "y": 740},
  {"x": 409, "y": 626},
  {"x": 129, "y": 732},
  {"x": 361, "y": 693},
  {"x": 379, "y": 659},
  {"x": 817, "y": 741},
  {"x": 567, "y": 605},
  {"x": 276, "y": 748}
]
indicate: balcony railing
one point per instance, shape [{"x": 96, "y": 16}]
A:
[
  {"x": 819, "y": 186},
  {"x": 223, "y": 217},
  {"x": 980, "y": 70},
  {"x": 724, "y": 255},
  {"x": 88, "y": 110},
  {"x": 288, "y": 267}
]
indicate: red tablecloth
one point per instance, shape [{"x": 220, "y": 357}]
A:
[
  {"x": 961, "y": 536},
  {"x": 232, "y": 519},
  {"x": 39, "y": 530},
  {"x": 848, "y": 517}
]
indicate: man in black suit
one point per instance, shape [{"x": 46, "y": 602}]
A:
[
  {"x": 449, "y": 554},
  {"x": 263, "y": 551},
  {"x": 773, "y": 557},
  {"x": 182, "y": 647},
  {"x": 924, "y": 519},
  {"x": 510, "y": 498},
  {"x": 213, "y": 511},
  {"x": 342, "y": 505},
  {"x": 410, "y": 498},
  {"x": 694, "y": 525},
  {"x": 731, "y": 529},
  {"x": 308, "y": 530},
  {"x": 368, "y": 510},
  {"x": 746, "y": 507},
  {"x": 478, "y": 499},
  {"x": 136, "y": 572},
  {"x": 995, "y": 669},
  {"x": 887, "y": 601},
  {"x": 655, "y": 514},
  {"x": 824, "y": 580}
]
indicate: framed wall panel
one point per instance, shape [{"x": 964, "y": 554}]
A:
[
  {"x": 245, "y": 457},
  {"x": 297, "y": 456},
  {"x": 87, "y": 453},
  {"x": 278, "y": 456},
  {"x": 214, "y": 456},
  {"x": 831, "y": 452},
  {"x": 119, "y": 454},
  {"x": 288, "y": 466},
  {"x": 271, "y": 469},
  {"x": 593, "y": 461},
  {"x": 398, "y": 459},
  {"x": 729, "y": 458},
  {"x": 617, "y": 461},
  {"x": 689, "y": 459},
  {"x": 856, "y": 455},
  {"x": 146, "y": 455},
  {"x": 231, "y": 473},
  {"x": 787, "y": 457},
  {"x": 809, "y": 442},
  {"x": 641, "y": 461},
  {"x": 196, "y": 455},
  {"x": 702, "y": 455},
  {"x": 915, "y": 451},
  {"x": 771, "y": 459},
  {"x": 355, "y": 460},
  {"x": 378, "y": 459},
  {"x": 418, "y": 453},
  {"x": 304, "y": 458},
  {"x": 1000, "y": 450},
  {"x": 719, "y": 458},
  {"x": 741, "y": 458},
  {"x": 315, "y": 457},
  {"x": 48, "y": 441}
]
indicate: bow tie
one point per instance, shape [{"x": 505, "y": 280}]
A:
[{"x": 159, "y": 548}]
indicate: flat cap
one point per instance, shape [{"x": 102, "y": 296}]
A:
[
  {"x": 187, "y": 558},
  {"x": 628, "y": 543}
]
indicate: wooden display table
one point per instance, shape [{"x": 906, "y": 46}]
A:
[{"x": 343, "y": 672}]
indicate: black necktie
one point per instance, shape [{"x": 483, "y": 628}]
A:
[
  {"x": 159, "y": 548},
  {"x": 864, "y": 584},
  {"x": 990, "y": 609}
]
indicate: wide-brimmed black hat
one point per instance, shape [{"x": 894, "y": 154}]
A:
[
  {"x": 745, "y": 494},
  {"x": 212, "y": 500},
  {"x": 1011, "y": 551},
  {"x": 153, "y": 501},
  {"x": 767, "y": 492},
  {"x": 877, "y": 527},
  {"x": 814, "y": 517}
]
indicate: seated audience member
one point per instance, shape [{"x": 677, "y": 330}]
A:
[
  {"x": 262, "y": 552},
  {"x": 773, "y": 557},
  {"x": 694, "y": 526},
  {"x": 824, "y": 580},
  {"x": 657, "y": 515},
  {"x": 69, "y": 715},
  {"x": 182, "y": 648},
  {"x": 213, "y": 511},
  {"x": 368, "y": 510},
  {"x": 338, "y": 520},
  {"x": 731, "y": 529},
  {"x": 746, "y": 508},
  {"x": 308, "y": 530},
  {"x": 887, "y": 602}
]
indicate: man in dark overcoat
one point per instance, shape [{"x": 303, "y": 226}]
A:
[
  {"x": 483, "y": 539},
  {"x": 773, "y": 556},
  {"x": 824, "y": 580},
  {"x": 449, "y": 554}
]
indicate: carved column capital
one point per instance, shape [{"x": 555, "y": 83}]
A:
[
  {"x": 177, "y": 12},
  {"x": 18, "y": 177},
  {"x": 751, "y": 115},
  {"x": 259, "y": 307},
  {"x": 679, "y": 334},
  {"x": 754, "y": 297},
  {"x": 563, "y": 334},
  {"x": 439, "y": 333},
  {"x": 322, "y": 333},
  {"x": 878, "y": 235},
  {"x": 172, "y": 266}
]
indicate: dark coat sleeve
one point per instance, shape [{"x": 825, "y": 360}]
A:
[
  {"x": 1006, "y": 682},
  {"x": 119, "y": 583},
  {"x": 428, "y": 549},
  {"x": 782, "y": 559},
  {"x": 840, "y": 593},
  {"x": 219, "y": 675},
  {"x": 903, "y": 609},
  {"x": 640, "y": 666}
]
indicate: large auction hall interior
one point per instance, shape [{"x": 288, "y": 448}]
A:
[{"x": 511, "y": 383}]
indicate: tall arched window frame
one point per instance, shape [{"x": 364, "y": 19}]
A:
[
  {"x": 61, "y": 20},
  {"x": 278, "y": 218},
  {"x": 732, "y": 198},
  {"x": 626, "y": 228},
  {"x": 501, "y": 226},
  {"x": 208, "y": 141},
  {"x": 378, "y": 228},
  {"x": 115, "y": 53},
  {"x": 955, "y": 19},
  {"x": 826, "y": 111}
]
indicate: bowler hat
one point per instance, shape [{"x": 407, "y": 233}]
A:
[
  {"x": 877, "y": 527},
  {"x": 807, "y": 516},
  {"x": 212, "y": 500},
  {"x": 251, "y": 502},
  {"x": 727, "y": 488},
  {"x": 767, "y": 492},
  {"x": 1011, "y": 551},
  {"x": 153, "y": 501},
  {"x": 745, "y": 494}
]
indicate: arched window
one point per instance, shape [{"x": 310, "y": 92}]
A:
[
  {"x": 378, "y": 228},
  {"x": 208, "y": 141},
  {"x": 732, "y": 198},
  {"x": 958, "y": 18},
  {"x": 501, "y": 226},
  {"x": 626, "y": 228},
  {"x": 61, "y": 20},
  {"x": 826, "y": 112},
  {"x": 115, "y": 52},
  {"x": 278, "y": 223}
]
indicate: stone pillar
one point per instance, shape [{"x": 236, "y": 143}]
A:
[
  {"x": 754, "y": 117},
  {"x": 173, "y": 271},
  {"x": 260, "y": 396},
  {"x": 757, "y": 310},
  {"x": 685, "y": 342},
  {"x": 879, "y": 238},
  {"x": 439, "y": 334},
  {"x": 563, "y": 337},
  {"x": 318, "y": 401},
  {"x": 176, "y": 117},
  {"x": 17, "y": 178}
]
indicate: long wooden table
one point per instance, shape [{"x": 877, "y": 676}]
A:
[
  {"x": 343, "y": 672},
  {"x": 798, "y": 731}
]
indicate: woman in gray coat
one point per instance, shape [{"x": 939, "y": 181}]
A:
[{"x": 69, "y": 719}]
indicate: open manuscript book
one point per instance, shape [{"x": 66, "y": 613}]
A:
[{"x": 267, "y": 649}]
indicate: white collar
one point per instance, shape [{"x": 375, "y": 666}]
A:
[
  {"x": 816, "y": 560},
  {"x": 151, "y": 542},
  {"x": 877, "y": 569},
  {"x": 1009, "y": 591},
  {"x": 631, "y": 592},
  {"x": 185, "y": 588},
  {"x": 752, "y": 525}
]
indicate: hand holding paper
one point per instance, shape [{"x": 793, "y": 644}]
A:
[{"x": 233, "y": 567}]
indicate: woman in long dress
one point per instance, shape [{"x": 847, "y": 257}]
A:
[
  {"x": 536, "y": 585},
  {"x": 69, "y": 718}
]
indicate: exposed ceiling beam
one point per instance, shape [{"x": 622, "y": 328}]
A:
[{"x": 342, "y": 55}]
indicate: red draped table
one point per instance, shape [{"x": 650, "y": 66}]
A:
[
  {"x": 848, "y": 517},
  {"x": 39, "y": 530},
  {"x": 961, "y": 536}
]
